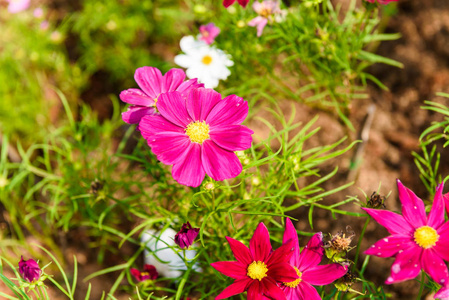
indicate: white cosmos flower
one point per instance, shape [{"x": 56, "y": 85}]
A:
[{"x": 204, "y": 62}]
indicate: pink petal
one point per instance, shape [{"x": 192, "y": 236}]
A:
[
  {"x": 135, "y": 113},
  {"x": 312, "y": 253},
  {"x": 149, "y": 80},
  {"x": 260, "y": 23},
  {"x": 435, "y": 266},
  {"x": 412, "y": 207},
  {"x": 227, "y": 3},
  {"x": 239, "y": 286},
  {"x": 259, "y": 245},
  {"x": 272, "y": 290},
  {"x": 282, "y": 254},
  {"x": 255, "y": 291},
  {"x": 291, "y": 234},
  {"x": 220, "y": 164},
  {"x": 232, "y": 110},
  {"x": 154, "y": 124},
  {"x": 232, "y": 137},
  {"x": 436, "y": 215},
  {"x": 170, "y": 147},
  {"x": 185, "y": 87},
  {"x": 305, "y": 291},
  {"x": 442, "y": 244},
  {"x": 172, "y": 80},
  {"x": 200, "y": 102},
  {"x": 232, "y": 269},
  {"x": 188, "y": 169},
  {"x": 406, "y": 266},
  {"x": 323, "y": 274},
  {"x": 283, "y": 272},
  {"x": 240, "y": 251},
  {"x": 446, "y": 202},
  {"x": 443, "y": 293},
  {"x": 173, "y": 107},
  {"x": 394, "y": 223},
  {"x": 391, "y": 245},
  {"x": 136, "y": 97}
]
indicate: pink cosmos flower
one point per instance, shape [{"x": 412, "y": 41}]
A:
[
  {"x": 16, "y": 6},
  {"x": 198, "y": 135},
  {"x": 382, "y": 1},
  {"x": 227, "y": 3},
  {"x": 307, "y": 268},
  {"x": 266, "y": 10},
  {"x": 29, "y": 269},
  {"x": 257, "y": 269},
  {"x": 417, "y": 241},
  {"x": 149, "y": 273},
  {"x": 153, "y": 84},
  {"x": 209, "y": 32},
  {"x": 185, "y": 237}
]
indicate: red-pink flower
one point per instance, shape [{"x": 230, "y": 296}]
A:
[
  {"x": 227, "y": 3},
  {"x": 29, "y": 269},
  {"x": 446, "y": 202},
  {"x": 149, "y": 273},
  {"x": 257, "y": 269},
  {"x": 208, "y": 33},
  {"x": 198, "y": 135},
  {"x": 417, "y": 241},
  {"x": 307, "y": 268},
  {"x": 152, "y": 85}
]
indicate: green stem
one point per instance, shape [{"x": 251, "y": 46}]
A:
[
  {"x": 421, "y": 287},
  {"x": 360, "y": 242}
]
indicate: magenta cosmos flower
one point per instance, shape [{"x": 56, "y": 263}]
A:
[
  {"x": 227, "y": 3},
  {"x": 417, "y": 241},
  {"x": 382, "y": 1},
  {"x": 153, "y": 84},
  {"x": 29, "y": 270},
  {"x": 198, "y": 135},
  {"x": 208, "y": 33},
  {"x": 307, "y": 268},
  {"x": 446, "y": 202},
  {"x": 185, "y": 237},
  {"x": 257, "y": 269}
]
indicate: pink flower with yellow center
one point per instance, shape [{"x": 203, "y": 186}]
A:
[
  {"x": 417, "y": 241},
  {"x": 267, "y": 11},
  {"x": 307, "y": 268},
  {"x": 208, "y": 33},
  {"x": 198, "y": 135},
  {"x": 258, "y": 269},
  {"x": 152, "y": 84}
]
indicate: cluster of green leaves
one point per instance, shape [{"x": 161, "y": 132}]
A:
[
  {"x": 433, "y": 141},
  {"x": 318, "y": 54}
]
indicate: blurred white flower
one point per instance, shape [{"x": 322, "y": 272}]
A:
[
  {"x": 204, "y": 62},
  {"x": 15, "y": 6},
  {"x": 164, "y": 254}
]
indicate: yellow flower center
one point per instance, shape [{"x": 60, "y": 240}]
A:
[
  {"x": 293, "y": 284},
  {"x": 257, "y": 270},
  {"x": 144, "y": 273},
  {"x": 207, "y": 59},
  {"x": 426, "y": 236},
  {"x": 198, "y": 131},
  {"x": 265, "y": 12}
]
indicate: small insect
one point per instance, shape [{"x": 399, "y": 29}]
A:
[
  {"x": 96, "y": 186},
  {"x": 376, "y": 201}
]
